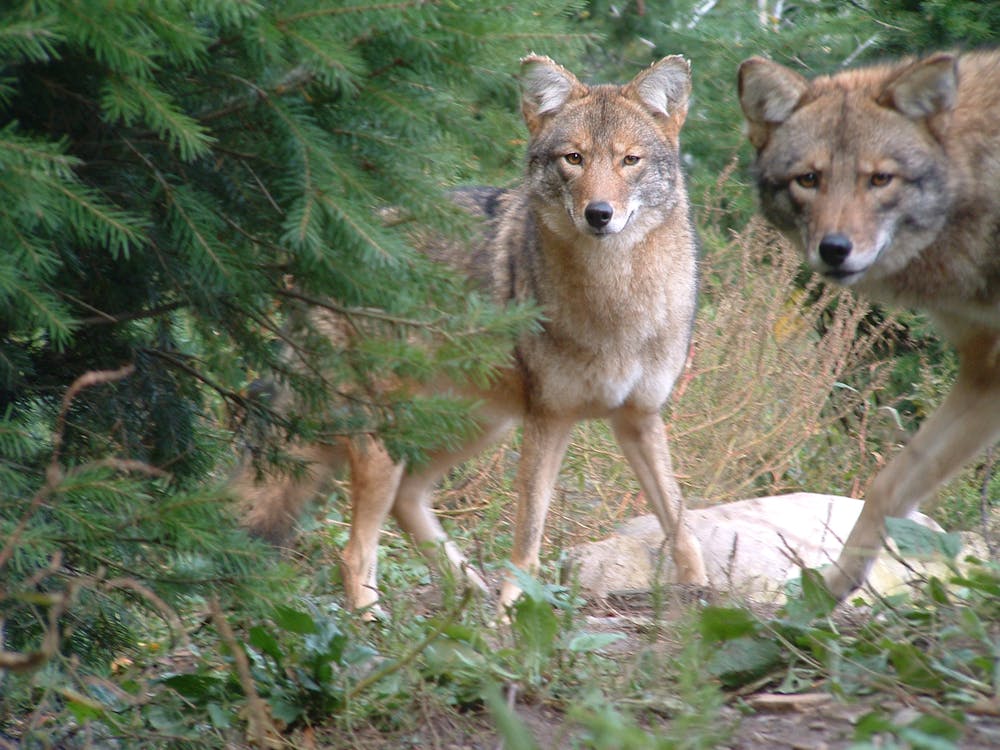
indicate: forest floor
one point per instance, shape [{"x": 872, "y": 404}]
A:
[{"x": 756, "y": 717}]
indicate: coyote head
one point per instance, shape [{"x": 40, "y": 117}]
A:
[
  {"x": 853, "y": 168},
  {"x": 603, "y": 160}
]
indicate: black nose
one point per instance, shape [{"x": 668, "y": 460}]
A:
[
  {"x": 834, "y": 249},
  {"x": 598, "y": 214}
]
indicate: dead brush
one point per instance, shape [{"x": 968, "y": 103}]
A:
[{"x": 782, "y": 375}]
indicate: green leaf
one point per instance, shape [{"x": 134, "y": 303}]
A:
[
  {"x": 937, "y": 590},
  {"x": 742, "y": 660},
  {"x": 813, "y": 599},
  {"x": 583, "y": 643},
  {"x": 912, "y": 667},
  {"x": 916, "y": 540},
  {"x": 193, "y": 686},
  {"x": 871, "y": 724},
  {"x": 941, "y": 732},
  {"x": 220, "y": 716},
  {"x": 266, "y": 643},
  {"x": 294, "y": 621},
  {"x": 536, "y": 625},
  {"x": 286, "y": 710},
  {"x": 726, "y": 623}
]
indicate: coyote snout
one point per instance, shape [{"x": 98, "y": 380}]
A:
[
  {"x": 840, "y": 259},
  {"x": 599, "y": 214}
]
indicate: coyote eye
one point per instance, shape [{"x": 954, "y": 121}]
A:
[
  {"x": 573, "y": 158},
  {"x": 809, "y": 180},
  {"x": 630, "y": 160},
  {"x": 880, "y": 179}
]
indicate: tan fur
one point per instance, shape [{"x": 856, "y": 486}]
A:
[
  {"x": 602, "y": 241},
  {"x": 888, "y": 179}
]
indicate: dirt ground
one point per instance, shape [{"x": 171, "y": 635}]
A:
[{"x": 759, "y": 720}]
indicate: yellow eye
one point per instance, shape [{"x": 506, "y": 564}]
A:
[
  {"x": 631, "y": 160},
  {"x": 573, "y": 158},
  {"x": 880, "y": 179},
  {"x": 809, "y": 180}
]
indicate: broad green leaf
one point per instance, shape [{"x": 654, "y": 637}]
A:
[
  {"x": 294, "y": 621},
  {"x": 726, "y": 623},
  {"x": 583, "y": 643},
  {"x": 743, "y": 660},
  {"x": 915, "y": 540}
]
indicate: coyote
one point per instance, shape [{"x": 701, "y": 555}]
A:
[
  {"x": 888, "y": 180},
  {"x": 599, "y": 236}
]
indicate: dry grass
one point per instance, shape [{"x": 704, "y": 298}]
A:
[{"x": 782, "y": 376}]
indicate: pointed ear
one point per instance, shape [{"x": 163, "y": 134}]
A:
[
  {"x": 925, "y": 89},
  {"x": 545, "y": 88},
  {"x": 769, "y": 93},
  {"x": 664, "y": 88}
]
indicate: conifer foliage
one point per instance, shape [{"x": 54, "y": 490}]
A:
[{"x": 178, "y": 180}]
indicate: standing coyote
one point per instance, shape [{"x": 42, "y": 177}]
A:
[
  {"x": 888, "y": 180},
  {"x": 600, "y": 238}
]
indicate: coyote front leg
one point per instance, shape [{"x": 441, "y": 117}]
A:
[
  {"x": 966, "y": 423},
  {"x": 543, "y": 444},
  {"x": 643, "y": 439}
]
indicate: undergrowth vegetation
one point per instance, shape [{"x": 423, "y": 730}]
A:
[
  {"x": 133, "y": 611},
  {"x": 752, "y": 416}
]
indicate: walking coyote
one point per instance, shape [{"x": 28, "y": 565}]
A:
[
  {"x": 888, "y": 180},
  {"x": 600, "y": 238}
]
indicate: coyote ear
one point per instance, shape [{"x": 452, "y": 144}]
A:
[
  {"x": 546, "y": 86},
  {"x": 664, "y": 87},
  {"x": 769, "y": 93},
  {"x": 925, "y": 89}
]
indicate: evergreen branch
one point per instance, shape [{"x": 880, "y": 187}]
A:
[
  {"x": 113, "y": 46},
  {"x": 54, "y": 472},
  {"x": 33, "y": 39},
  {"x": 322, "y": 53},
  {"x": 105, "y": 215},
  {"x": 87, "y": 380},
  {"x": 103, "y": 318},
  {"x": 124, "y": 99},
  {"x": 56, "y": 325},
  {"x": 307, "y": 190},
  {"x": 124, "y": 465},
  {"x": 348, "y": 219},
  {"x": 173, "y": 361},
  {"x": 58, "y": 604},
  {"x": 365, "y": 312},
  {"x": 166, "y": 612},
  {"x": 297, "y": 78},
  {"x": 35, "y": 152},
  {"x": 307, "y": 15}
]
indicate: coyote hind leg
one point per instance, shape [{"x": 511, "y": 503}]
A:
[
  {"x": 412, "y": 509},
  {"x": 374, "y": 482}
]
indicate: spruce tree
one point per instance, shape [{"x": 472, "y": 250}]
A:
[{"x": 178, "y": 181}]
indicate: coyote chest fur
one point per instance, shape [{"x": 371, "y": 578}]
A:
[
  {"x": 888, "y": 180},
  {"x": 599, "y": 237},
  {"x": 614, "y": 306}
]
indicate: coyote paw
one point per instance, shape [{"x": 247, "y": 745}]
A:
[{"x": 840, "y": 582}]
